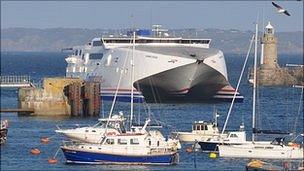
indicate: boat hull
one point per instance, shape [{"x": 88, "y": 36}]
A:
[
  {"x": 196, "y": 82},
  {"x": 188, "y": 137},
  {"x": 260, "y": 151},
  {"x": 82, "y": 157},
  {"x": 208, "y": 146}
]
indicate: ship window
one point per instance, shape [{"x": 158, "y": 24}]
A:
[
  {"x": 93, "y": 131},
  {"x": 76, "y": 52},
  {"x": 122, "y": 141},
  {"x": 198, "y": 127},
  {"x": 110, "y": 141},
  {"x": 233, "y": 136},
  {"x": 206, "y": 128},
  {"x": 86, "y": 130},
  {"x": 97, "y": 43},
  {"x": 157, "y": 143},
  {"x": 80, "y": 51},
  {"x": 134, "y": 141},
  {"x": 150, "y": 143},
  {"x": 259, "y": 147},
  {"x": 96, "y": 56}
]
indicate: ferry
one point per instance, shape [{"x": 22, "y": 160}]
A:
[{"x": 168, "y": 69}]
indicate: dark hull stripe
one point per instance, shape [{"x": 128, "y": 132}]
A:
[{"x": 73, "y": 156}]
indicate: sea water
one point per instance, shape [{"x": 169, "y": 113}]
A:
[{"x": 277, "y": 110}]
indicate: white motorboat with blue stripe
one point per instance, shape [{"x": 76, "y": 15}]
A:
[{"x": 139, "y": 147}]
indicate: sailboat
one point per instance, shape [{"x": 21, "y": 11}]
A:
[
  {"x": 136, "y": 146},
  {"x": 276, "y": 149},
  {"x": 232, "y": 137}
]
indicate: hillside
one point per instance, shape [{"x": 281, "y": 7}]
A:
[{"x": 54, "y": 39}]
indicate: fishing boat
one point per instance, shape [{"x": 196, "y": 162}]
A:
[
  {"x": 201, "y": 130},
  {"x": 135, "y": 146},
  {"x": 126, "y": 148},
  {"x": 232, "y": 138},
  {"x": 3, "y": 131},
  {"x": 276, "y": 149},
  {"x": 92, "y": 134}
]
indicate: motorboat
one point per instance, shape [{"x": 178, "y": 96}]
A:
[{"x": 3, "y": 131}]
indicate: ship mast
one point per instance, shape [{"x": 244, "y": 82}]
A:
[
  {"x": 132, "y": 79},
  {"x": 254, "y": 80}
]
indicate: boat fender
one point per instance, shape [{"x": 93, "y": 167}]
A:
[
  {"x": 189, "y": 149},
  {"x": 111, "y": 133},
  {"x": 213, "y": 155},
  {"x": 52, "y": 161},
  {"x": 256, "y": 164},
  {"x": 35, "y": 151},
  {"x": 44, "y": 140},
  {"x": 173, "y": 148},
  {"x": 295, "y": 145},
  {"x": 6, "y": 123}
]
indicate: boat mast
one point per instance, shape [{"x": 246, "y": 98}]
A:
[
  {"x": 254, "y": 80},
  {"x": 132, "y": 79}
]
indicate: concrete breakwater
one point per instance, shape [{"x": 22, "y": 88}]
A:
[
  {"x": 280, "y": 76},
  {"x": 61, "y": 96}
]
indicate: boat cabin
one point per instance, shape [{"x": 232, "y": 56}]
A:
[
  {"x": 237, "y": 136},
  {"x": 202, "y": 126}
]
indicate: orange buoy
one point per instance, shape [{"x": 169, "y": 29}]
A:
[
  {"x": 52, "y": 161},
  {"x": 44, "y": 140},
  {"x": 35, "y": 151},
  {"x": 189, "y": 149}
]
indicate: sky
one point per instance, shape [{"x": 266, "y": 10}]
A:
[{"x": 171, "y": 14}]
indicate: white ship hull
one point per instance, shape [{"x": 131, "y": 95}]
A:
[
  {"x": 170, "y": 73},
  {"x": 261, "y": 150}
]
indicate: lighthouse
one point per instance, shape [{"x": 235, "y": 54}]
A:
[
  {"x": 269, "y": 73},
  {"x": 270, "y": 56}
]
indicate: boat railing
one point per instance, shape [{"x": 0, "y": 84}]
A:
[
  {"x": 160, "y": 150},
  {"x": 71, "y": 126},
  {"x": 71, "y": 143}
]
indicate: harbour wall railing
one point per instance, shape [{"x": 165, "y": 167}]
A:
[{"x": 15, "y": 81}]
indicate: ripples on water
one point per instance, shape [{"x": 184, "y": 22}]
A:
[{"x": 277, "y": 110}]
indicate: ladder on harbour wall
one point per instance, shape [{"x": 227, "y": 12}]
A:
[{"x": 15, "y": 81}]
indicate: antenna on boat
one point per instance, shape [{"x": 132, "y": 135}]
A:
[
  {"x": 255, "y": 77},
  {"x": 116, "y": 91},
  {"x": 215, "y": 115}
]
